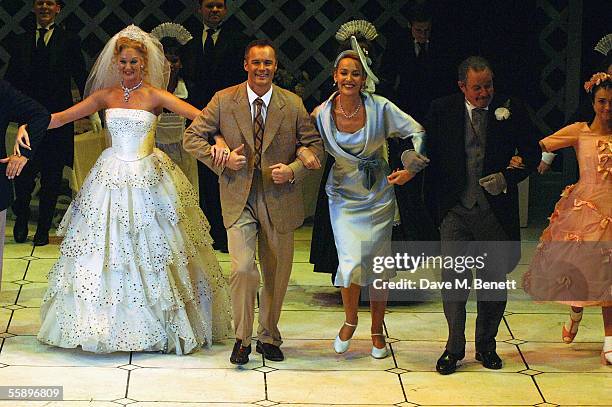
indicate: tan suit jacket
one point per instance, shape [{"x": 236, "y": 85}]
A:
[{"x": 287, "y": 126}]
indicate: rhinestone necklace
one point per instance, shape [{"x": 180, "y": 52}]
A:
[
  {"x": 348, "y": 116},
  {"x": 127, "y": 91}
]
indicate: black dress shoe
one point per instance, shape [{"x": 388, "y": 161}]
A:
[
  {"x": 41, "y": 238},
  {"x": 240, "y": 354},
  {"x": 270, "y": 352},
  {"x": 447, "y": 363},
  {"x": 490, "y": 359},
  {"x": 221, "y": 247},
  {"x": 20, "y": 231}
]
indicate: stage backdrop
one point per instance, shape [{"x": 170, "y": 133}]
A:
[{"x": 535, "y": 45}]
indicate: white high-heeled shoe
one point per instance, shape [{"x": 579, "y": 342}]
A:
[
  {"x": 341, "y": 346},
  {"x": 606, "y": 352},
  {"x": 379, "y": 353}
]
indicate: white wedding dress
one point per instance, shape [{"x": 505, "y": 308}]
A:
[{"x": 136, "y": 270}]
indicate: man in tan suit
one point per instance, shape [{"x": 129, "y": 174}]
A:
[{"x": 261, "y": 194}]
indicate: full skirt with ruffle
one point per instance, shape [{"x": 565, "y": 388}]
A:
[
  {"x": 136, "y": 270},
  {"x": 572, "y": 263}
]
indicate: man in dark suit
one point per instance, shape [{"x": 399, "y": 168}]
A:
[
  {"x": 425, "y": 73},
  {"x": 16, "y": 107},
  {"x": 43, "y": 63},
  {"x": 473, "y": 194},
  {"x": 212, "y": 61}
]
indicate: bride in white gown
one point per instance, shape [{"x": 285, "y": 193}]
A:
[{"x": 136, "y": 270}]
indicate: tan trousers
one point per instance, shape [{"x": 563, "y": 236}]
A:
[
  {"x": 2, "y": 231},
  {"x": 252, "y": 229}
]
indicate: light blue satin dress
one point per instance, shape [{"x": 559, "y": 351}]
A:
[{"x": 361, "y": 200}]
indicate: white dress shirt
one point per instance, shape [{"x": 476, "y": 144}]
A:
[
  {"x": 266, "y": 102},
  {"x": 215, "y": 35},
  {"x": 48, "y": 34}
]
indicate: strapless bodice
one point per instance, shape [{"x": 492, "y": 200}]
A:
[{"x": 132, "y": 132}]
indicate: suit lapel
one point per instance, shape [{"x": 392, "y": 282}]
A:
[
  {"x": 28, "y": 49},
  {"x": 274, "y": 118},
  {"x": 458, "y": 124},
  {"x": 221, "y": 44},
  {"x": 53, "y": 46},
  {"x": 242, "y": 115},
  {"x": 492, "y": 130}
]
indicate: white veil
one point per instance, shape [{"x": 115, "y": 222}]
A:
[{"x": 104, "y": 73}]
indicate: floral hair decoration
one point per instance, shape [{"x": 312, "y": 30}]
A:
[{"x": 595, "y": 80}]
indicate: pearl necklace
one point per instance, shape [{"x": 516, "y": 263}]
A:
[
  {"x": 348, "y": 116},
  {"x": 127, "y": 91}
]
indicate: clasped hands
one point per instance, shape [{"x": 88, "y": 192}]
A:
[
  {"x": 413, "y": 164},
  {"x": 495, "y": 183},
  {"x": 16, "y": 162},
  {"x": 14, "y": 165}
]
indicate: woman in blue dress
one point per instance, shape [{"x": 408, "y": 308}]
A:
[{"x": 354, "y": 125}]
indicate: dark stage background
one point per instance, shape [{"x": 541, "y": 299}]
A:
[{"x": 541, "y": 49}]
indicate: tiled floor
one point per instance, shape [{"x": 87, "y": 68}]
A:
[{"x": 538, "y": 368}]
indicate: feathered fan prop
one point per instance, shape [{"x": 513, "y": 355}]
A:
[
  {"x": 358, "y": 28},
  {"x": 604, "y": 45},
  {"x": 172, "y": 30}
]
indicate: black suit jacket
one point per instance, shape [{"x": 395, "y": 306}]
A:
[
  {"x": 66, "y": 62},
  {"x": 223, "y": 69},
  {"x": 411, "y": 82},
  {"x": 446, "y": 174},
  {"x": 17, "y": 107}
]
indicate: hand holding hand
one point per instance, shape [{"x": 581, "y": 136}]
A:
[
  {"x": 15, "y": 164},
  {"x": 22, "y": 140},
  {"x": 543, "y": 167},
  {"x": 400, "y": 177},
  {"x": 413, "y": 161},
  {"x": 494, "y": 184},
  {"x": 516, "y": 162},
  {"x": 220, "y": 152},
  {"x": 281, "y": 173},
  {"x": 236, "y": 160},
  {"x": 308, "y": 158}
]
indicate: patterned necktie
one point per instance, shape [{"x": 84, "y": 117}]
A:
[
  {"x": 209, "y": 43},
  {"x": 41, "y": 38},
  {"x": 258, "y": 131},
  {"x": 478, "y": 121}
]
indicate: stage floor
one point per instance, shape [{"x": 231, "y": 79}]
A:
[{"x": 539, "y": 370}]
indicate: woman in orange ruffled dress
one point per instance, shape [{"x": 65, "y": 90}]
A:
[{"x": 573, "y": 262}]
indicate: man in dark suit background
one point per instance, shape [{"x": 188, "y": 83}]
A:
[
  {"x": 426, "y": 73},
  {"x": 43, "y": 62},
  {"x": 471, "y": 138},
  {"x": 212, "y": 61},
  {"x": 16, "y": 107}
]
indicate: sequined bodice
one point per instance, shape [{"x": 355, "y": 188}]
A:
[{"x": 132, "y": 132}]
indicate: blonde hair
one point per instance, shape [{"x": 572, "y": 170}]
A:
[{"x": 125, "y": 43}]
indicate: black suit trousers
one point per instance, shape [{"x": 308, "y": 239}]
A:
[
  {"x": 51, "y": 171},
  {"x": 475, "y": 224}
]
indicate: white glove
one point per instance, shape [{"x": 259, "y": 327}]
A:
[
  {"x": 494, "y": 184},
  {"x": 96, "y": 123},
  {"x": 413, "y": 161},
  {"x": 548, "y": 157}
]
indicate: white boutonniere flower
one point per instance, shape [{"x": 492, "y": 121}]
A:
[{"x": 503, "y": 112}]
